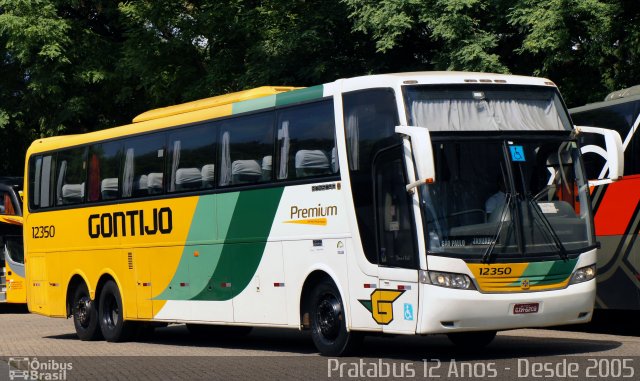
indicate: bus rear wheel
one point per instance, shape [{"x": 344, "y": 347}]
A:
[
  {"x": 472, "y": 340},
  {"x": 328, "y": 322},
  {"x": 112, "y": 324},
  {"x": 85, "y": 314}
]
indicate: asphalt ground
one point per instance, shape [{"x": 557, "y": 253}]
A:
[{"x": 48, "y": 349}]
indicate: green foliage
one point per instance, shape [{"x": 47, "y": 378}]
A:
[
  {"x": 457, "y": 34},
  {"x": 82, "y": 65}
]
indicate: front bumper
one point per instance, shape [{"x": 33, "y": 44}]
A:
[{"x": 447, "y": 310}]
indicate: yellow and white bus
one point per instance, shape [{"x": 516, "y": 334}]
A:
[
  {"x": 12, "y": 277},
  {"x": 415, "y": 203}
]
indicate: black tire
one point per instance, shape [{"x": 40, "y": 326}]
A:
[
  {"x": 328, "y": 322},
  {"x": 207, "y": 331},
  {"x": 472, "y": 340},
  {"x": 85, "y": 314},
  {"x": 112, "y": 324}
]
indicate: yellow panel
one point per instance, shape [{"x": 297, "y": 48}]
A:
[
  {"x": 16, "y": 286},
  {"x": 57, "y": 142},
  {"x": 216, "y": 101},
  {"x": 37, "y": 285}
]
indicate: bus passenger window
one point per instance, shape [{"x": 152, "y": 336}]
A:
[
  {"x": 70, "y": 179},
  {"x": 104, "y": 169},
  {"x": 246, "y": 146},
  {"x": 41, "y": 181},
  {"x": 306, "y": 141},
  {"x": 6, "y": 205},
  {"x": 191, "y": 158},
  {"x": 143, "y": 172}
]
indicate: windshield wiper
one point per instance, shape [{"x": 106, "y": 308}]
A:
[
  {"x": 503, "y": 218},
  {"x": 547, "y": 225}
]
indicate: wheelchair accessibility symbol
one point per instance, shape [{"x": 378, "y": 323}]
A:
[
  {"x": 408, "y": 311},
  {"x": 517, "y": 153}
]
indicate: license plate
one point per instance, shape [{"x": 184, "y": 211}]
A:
[{"x": 526, "y": 308}]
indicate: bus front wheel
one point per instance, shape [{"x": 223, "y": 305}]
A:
[
  {"x": 328, "y": 322},
  {"x": 112, "y": 324},
  {"x": 85, "y": 314}
]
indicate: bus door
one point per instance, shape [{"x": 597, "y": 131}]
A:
[{"x": 395, "y": 302}]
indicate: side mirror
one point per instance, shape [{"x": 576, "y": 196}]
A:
[
  {"x": 421, "y": 151},
  {"x": 613, "y": 153}
]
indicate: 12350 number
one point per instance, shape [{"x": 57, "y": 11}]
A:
[
  {"x": 43, "y": 231},
  {"x": 495, "y": 270}
]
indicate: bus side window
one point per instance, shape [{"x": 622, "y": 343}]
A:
[
  {"x": 70, "y": 186},
  {"x": 246, "y": 149},
  {"x": 6, "y": 206},
  {"x": 143, "y": 169},
  {"x": 41, "y": 180},
  {"x": 104, "y": 169},
  {"x": 619, "y": 117},
  {"x": 191, "y": 159},
  {"x": 306, "y": 141}
]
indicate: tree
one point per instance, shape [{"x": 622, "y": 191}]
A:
[
  {"x": 82, "y": 65},
  {"x": 586, "y": 46}
]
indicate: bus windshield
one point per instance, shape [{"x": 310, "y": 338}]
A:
[
  {"x": 486, "y": 108},
  {"x": 507, "y": 197}
]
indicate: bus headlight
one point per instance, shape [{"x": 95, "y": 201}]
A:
[
  {"x": 583, "y": 274},
  {"x": 449, "y": 280}
]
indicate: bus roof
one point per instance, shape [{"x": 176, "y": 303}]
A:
[
  {"x": 617, "y": 97},
  {"x": 633, "y": 91},
  {"x": 216, "y": 101},
  {"x": 190, "y": 112},
  {"x": 270, "y": 96}
]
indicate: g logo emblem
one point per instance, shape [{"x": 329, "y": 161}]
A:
[
  {"x": 524, "y": 284},
  {"x": 381, "y": 304}
]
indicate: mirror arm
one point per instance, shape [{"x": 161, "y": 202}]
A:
[
  {"x": 421, "y": 152},
  {"x": 417, "y": 183}
]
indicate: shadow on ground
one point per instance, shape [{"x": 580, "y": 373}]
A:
[
  {"x": 13, "y": 309},
  {"x": 611, "y": 322},
  {"x": 414, "y": 348}
]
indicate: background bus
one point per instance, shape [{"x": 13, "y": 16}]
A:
[
  {"x": 322, "y": 208},
  {"x": 617, "y": 205},
  {"x": 12, "y": 283}
]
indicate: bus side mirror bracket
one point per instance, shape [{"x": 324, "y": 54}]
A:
[
  {"x": 613, "y": 153},
  {"x": 419, "y": 141}
]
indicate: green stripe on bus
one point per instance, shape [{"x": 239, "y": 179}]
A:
[
  {"x": 252, "y": 219},
  {"x": 235, "y": 261},
  {"x": 253, "y": 104},
  {"x": 544, "y": 273},
  {"x": 197, "y": 270},
  {"x": 281, "y": 99},
  {"x": 295, "y": 96}
]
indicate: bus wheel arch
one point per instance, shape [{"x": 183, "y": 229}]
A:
[
  {"x": 111, "y": 320},
  {"x": 312, "y": 280},
  {"x": 323, "y": 311},
  {"x": 76, "y": 281},
  {"x": 83, "y": 309},
  {"x": 110, "y": 304}
]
